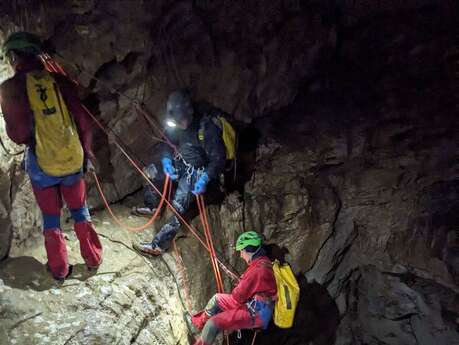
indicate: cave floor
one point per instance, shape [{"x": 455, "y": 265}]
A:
[{"x": 124, "y": 301}]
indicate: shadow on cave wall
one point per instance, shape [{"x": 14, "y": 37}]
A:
[{"x": 248, "y": 137}]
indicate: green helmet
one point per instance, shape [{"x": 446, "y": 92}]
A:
[
  {"x": 248, "y": 238},
  {"x": 23, "y": 42}
]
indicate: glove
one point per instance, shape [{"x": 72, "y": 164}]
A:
[
  {"x": 201, "y": 184},
  {"x": 169, "y": 169}
]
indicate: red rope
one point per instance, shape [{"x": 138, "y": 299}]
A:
[
  {"x": 212, "y": 259},
  {"x": 169, "y": 194},
  {"x": 118, "y": 221},
  {"x": 213, "y": 256}
]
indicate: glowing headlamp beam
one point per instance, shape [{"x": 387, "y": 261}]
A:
[{"x": 171, "y": 123}]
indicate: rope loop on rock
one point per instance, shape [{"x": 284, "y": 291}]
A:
[{"x": 118, "y": 221}]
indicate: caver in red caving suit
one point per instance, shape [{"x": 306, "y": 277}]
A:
[
  {"x": 42, "y": 111},
  {"x": 249, "y": 305}
]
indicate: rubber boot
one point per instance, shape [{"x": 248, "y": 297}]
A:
[
  {"x": 199, "y": 319},
  {"x": 56, "y": 251},
  {"x": 90, "y": 246}
]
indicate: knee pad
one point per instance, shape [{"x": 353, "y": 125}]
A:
[
  {"x": 80, "y": 215},
  {"x": 51, "y": 221}
]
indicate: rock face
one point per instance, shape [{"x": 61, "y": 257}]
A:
[{"x": 348, "y": 116}]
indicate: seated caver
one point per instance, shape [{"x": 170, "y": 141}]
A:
[
  {"x": 192, "y": 167},
  {"x": 250, "y": 304}
]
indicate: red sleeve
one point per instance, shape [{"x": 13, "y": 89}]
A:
[
  {"x": 258, "y": 278},
  {"x": 241, "y": 293},
  {"x": 81, "y": 117},
  {"x": 16, "y": 110}
]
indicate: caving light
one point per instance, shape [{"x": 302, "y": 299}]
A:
[{"x": 171, "y": 123}]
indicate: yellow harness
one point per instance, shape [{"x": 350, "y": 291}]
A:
[{"x": 57, "y": 143}]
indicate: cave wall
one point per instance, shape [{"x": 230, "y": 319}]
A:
[{"x": 353, "y": 107}]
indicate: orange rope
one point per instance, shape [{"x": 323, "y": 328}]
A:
[
  {"x": 213, "y": 256},
  {"x": 118, "y": 221},
  {"x": 169, "y": 194}
]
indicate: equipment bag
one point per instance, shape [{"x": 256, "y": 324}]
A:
[
  {"x": 227, "y": 130},
  {"x": 57, "y": 143},
  {"x": 288, "y": 294}
]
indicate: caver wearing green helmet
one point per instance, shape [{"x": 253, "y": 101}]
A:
[
  {"x": 249, "y": 238},
  {"x": 250, "y": 304},
  {"x": 24, "y": 42},
  {"x": 42, "y": 110}
]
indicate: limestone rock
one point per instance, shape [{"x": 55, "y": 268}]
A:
[{"x": 130, "y": 300}]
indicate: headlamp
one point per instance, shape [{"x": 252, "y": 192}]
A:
[{"x": 171, "y": 123}]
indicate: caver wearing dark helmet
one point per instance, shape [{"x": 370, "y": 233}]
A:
[{"x": 195, "y": 163}]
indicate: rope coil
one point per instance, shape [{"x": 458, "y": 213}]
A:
[{"x": 118, "y": 221}]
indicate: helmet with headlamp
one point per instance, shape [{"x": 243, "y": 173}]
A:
[{"x": 179, "y": 108}]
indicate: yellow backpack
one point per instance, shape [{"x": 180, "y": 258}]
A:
[
  {"x": 228, "y": 135},
  {"x": 219, "y": 118},
  {"x": 57, "y": 143},
  {"x": 288, "y": 294}
]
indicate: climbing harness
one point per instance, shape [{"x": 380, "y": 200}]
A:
[{"x": 189, "y": 168}]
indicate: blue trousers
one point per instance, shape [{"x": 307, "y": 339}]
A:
[{"x": 181, "y": 201}]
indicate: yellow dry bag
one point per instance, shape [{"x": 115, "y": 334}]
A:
[
  {"x": 229, "y": 138},
  {"x": 57, "y": 143},
  {"x": 288, "y": 294},
  {"x": 228, "y": 134}
]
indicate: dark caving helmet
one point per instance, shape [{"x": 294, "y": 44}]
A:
[
  {"x": 179, "y": 107},
  {"x": 23, "y": 42}
]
